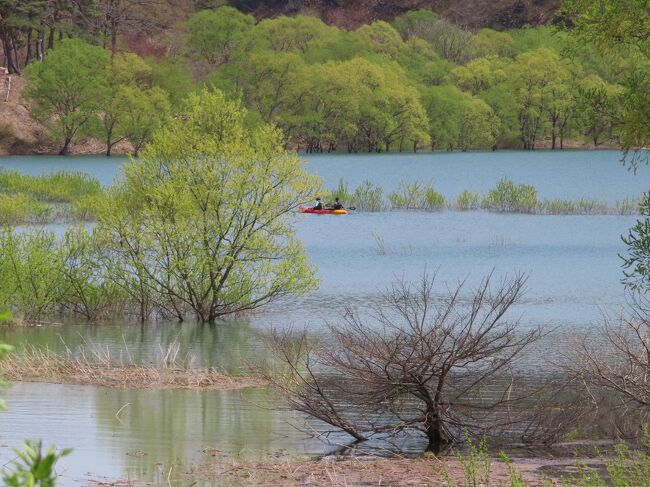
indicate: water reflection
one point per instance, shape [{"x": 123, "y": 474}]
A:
[
  {"x": 153, "y": 430},
  {"x": 225, "y": 346},
  {"x": 574, "y": 275}
]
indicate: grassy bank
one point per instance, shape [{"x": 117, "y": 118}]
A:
[
  {"x": 98, "y": 368},
  {"x": 471, "y": 468}
]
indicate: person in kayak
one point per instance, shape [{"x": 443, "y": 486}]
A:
[
  {"x": 318, "y": 205},
  {"x": 335, "y": 206}
]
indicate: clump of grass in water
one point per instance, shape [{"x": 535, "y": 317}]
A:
[
  {"x": 416, "y": 196},
  {"x": 341, "y": 192},
  {"x": 468, "y": 200},
  {"x": 629, "y": 206},
  {"x": 97, "y": 367},
  {"x": 511, "y": 197},
  {"x": 20, "y": 208},
  {"x": 59, "y": 187},
  {"x": 368, "y": 197}
]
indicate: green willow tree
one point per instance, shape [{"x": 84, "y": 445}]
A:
[
  {"x": 622, "y": 28},
  {"x": 215, "y": 34},
  {"x": 65, "y": 89},
  {"x": 200, "y": 222}
]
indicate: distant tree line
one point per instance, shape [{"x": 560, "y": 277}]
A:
[{"x": 418, "y": 83}]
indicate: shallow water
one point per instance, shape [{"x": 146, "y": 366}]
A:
[
  {"x": 136, "y": 434},
  {"x": 572, "y": 263}
]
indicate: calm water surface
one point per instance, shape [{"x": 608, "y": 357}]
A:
[{"x": 572, "y": 263}]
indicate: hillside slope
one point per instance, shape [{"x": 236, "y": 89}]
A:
[{"x": 353, "y": 13}]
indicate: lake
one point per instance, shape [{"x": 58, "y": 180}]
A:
[{"x": 571, "y": 261}]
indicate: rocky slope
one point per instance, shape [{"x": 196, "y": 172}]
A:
[{"x": 349, "y": 14}]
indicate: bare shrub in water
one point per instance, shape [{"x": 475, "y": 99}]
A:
[
  {"x": 613, "y": 364},
  {"x": 424, "y": 362}
]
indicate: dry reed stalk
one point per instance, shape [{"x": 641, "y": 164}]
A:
[
  {"x": 97, "y": 368},
  {"x": 365, "y": 471}
]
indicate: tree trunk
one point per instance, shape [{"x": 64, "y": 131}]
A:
[
  {"x": 114, "y": 41},
  {"x": 30, "y": 52},
  {"x": 50, "y": 39},
  {"x": 434, "y": 435},
  {"x": 66, "y": 146},
  {"x": 9, "y": 50},
  {"x": 40, "y": 44}
]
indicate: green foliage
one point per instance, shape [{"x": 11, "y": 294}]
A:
[
  {"x": 416, "y": 23},
  {"x": 215, "y": 34},
  {"x": 174, "y": 78},
  {"x": 200, "y": 221},
  {"x": 30, "y": 266},
  {"x": 511, "y": 197},
  {"x": 476, "y": 463},
  {"x": 341, "y": 192},
  {"x": 86, "y": 291},
  {"x": 416, "y": 196},
  {"x": 20, "y": 208},
  {"x": 628, "y": 467},
  {"x": 621, "y": 29},
  {"x": 45, "y": 198},
  {"x": 64, "y": 88},
  {"x": 33, "y": 468},
  {"x": 60, "y": 187},
  {"x": 368, "y": 197},
  {"x": 636, "y": 262},
  {"x": 468, "y": 200}
]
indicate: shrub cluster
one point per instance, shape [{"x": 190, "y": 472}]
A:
[{"x": 506, "y": 197}]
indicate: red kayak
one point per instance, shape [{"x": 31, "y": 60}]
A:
[{"x": 306, "y": 209}]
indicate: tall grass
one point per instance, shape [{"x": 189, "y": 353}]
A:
[
  {"x": 506, "y": 197},
  {"x": 63, "y": 195},
  {"x": 512, "y": 198},
  {"x": 414, "y": 195},
  {"x": 59, "y": 187},
  {"x": 20, "y": 208},
  {"x": 368, "y": 197},
  {"x": 468, "y": 200},
  {"x": 96, "y": 366}
]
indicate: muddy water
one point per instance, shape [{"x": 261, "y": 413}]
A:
[{"x": 572, "y": 263}]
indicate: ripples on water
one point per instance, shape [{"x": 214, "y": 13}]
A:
[{"x": 571, "y": 261}]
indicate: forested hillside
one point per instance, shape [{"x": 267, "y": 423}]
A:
[
  {"x": 109, "y": 71},
  {"x": 354, "y": 13}
]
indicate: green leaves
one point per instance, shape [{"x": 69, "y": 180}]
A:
[
  {"x": 64, "y": 88},
  {"x": 33, "y": 468},
  {"x": 200, "y": 222},
  {"x": 636, "y": 263}
]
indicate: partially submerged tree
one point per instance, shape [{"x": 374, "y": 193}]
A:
[
  {"x": 613, "y": 365},
  {"x": 199, "y": 226},
  {"x": 420, "y": 361}
]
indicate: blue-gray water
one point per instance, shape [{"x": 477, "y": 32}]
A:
[{"x": 572, "y": 263}]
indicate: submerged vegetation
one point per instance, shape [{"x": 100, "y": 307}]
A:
[
  {"x": 505, "y": 197},
  {"x": 60, "y": 196},
  {"x": 65, "y": 197},
  {"x": 196, "y": 228},
  {"x": 97, "y": 367}
]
